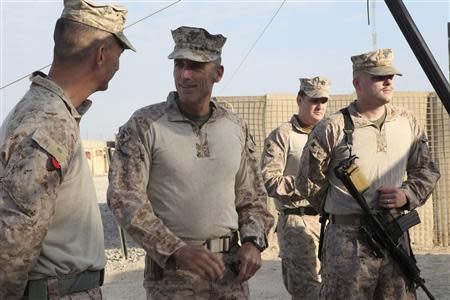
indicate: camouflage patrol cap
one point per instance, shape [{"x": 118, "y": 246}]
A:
[
  {"x": 316, "y": 87},
  {"x": 378, "y": 63},
  {"x": 101, "y": 16},
  {"x": 196, "y": 44}
]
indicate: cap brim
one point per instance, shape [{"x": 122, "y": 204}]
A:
[
  {"x": 383, "y": 71},
  {"x": 125, "y": 42},
  {"x": 193, "y": 55},
  {"x": 317, "y": 94}
]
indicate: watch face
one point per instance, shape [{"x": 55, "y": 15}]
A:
[
  {"x": 258, "y": 243},
  {"x": 261, "y": 245}
]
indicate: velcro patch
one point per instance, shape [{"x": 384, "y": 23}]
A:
[{"x": 48, "y": 144}]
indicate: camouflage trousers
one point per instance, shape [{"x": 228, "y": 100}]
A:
[
  {"x": 53, "y": 294},
  {"x": 184, "y": 285},
  {"x": 298, "y": 238},
  {"x": 350, "y": 271},
  {"x": 92, "y": 294}
]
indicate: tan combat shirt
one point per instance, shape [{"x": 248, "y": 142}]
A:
[
  {"x": 280, "y": 163},
  {"x": 50, "y": 223},
  {"x": 385, "y": 157},
  {"x": 171, "y": 181}
]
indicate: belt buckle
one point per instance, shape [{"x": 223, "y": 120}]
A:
[
  {"x": 226, "y": 244},
  {"x": 221, "y": 244}
]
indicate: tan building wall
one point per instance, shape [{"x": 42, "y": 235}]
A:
[{"x": 96, "y": 155}]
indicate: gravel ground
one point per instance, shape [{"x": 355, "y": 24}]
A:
[{"x": 123, "y": 279}]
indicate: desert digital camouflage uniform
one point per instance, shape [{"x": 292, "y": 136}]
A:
[
  {"x": 298, "y": 234},
  {"x": 51, "y": 232},
  {"x": 172, "y": 183},
  {"x": 179, "y": 284},
  {"x": 175, "y": 182},
  {"x": 349, "y": 269},
  {"x": 44, "y": 207}
]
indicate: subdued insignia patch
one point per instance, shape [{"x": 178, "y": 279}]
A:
[{"x": 49, "y": 145}]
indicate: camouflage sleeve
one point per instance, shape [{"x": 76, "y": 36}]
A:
[
  {"x": 422, "y": 172},
  {"x": 127, "y": 194},
  {"x": 312, "y": 180},
  {"x": 273, "y": 164},
  {"x": 29, "y": 185},
  {"x": 251, "y": 196}
]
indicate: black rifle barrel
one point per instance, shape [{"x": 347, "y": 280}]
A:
[{"x": 421, "y": 50}]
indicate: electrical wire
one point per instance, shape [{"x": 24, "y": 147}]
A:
[
  {"x": 253, "y": 46},
  {"x": 140, "y": 20},
  {"x": 152, "y": 14}
]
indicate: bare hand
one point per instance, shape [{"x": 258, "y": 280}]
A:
[
  {"x": 200, "y": 261},
  {"x": 249, "y": 259},
  {"x": 390, "y": 198}
]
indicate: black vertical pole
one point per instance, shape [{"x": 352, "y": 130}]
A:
[
  {"x": 448, "y": 34},
  {"x": 421, "y": 50},
  {"x": 110, "y": 145}
]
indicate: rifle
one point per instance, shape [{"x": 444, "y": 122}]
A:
[{"x": 381, "y": 230}]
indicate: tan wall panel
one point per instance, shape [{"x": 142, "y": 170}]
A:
[{"x": 439, "y": 136}]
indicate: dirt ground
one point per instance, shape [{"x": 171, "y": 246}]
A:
[
  {"x": 126, "y": 282},
  {"x": 123, "y": 279}
]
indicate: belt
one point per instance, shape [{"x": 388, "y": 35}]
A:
[
  {"x": 222, "y": 244},
  {"x": 355, "y": 220},
  {"x": 300, "y": 211},
  {"x": 55, "y": 287}
]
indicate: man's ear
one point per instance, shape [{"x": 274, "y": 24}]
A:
[
  {"x": 356, "y": 83},
  {"x": 219, "y": 73},
  {"x": 299, "y": 99},
  {"x": 100, "y": 56}
]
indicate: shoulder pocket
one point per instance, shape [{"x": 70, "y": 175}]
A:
[{"x": 56, "y": 150}]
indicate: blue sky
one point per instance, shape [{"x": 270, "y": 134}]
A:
[{"x": 307, "y": 38}]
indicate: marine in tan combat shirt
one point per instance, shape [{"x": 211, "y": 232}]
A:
[
  {"x": 51, "y": 234},
  {"x": 298, "y": 227},
  {"x": 185, "y": 181},
  {"x": 393, "y": 155}
]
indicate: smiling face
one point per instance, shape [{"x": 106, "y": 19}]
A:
[
  {"x": 376, "y": 90},
  {"x": 311, "y": 110},
  {"x": 194, "y": 80}
]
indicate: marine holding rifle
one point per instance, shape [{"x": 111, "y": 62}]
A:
[{"x": 389, "y": 144}]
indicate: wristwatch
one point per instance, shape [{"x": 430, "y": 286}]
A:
[{"x": 259, "y": 243}]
